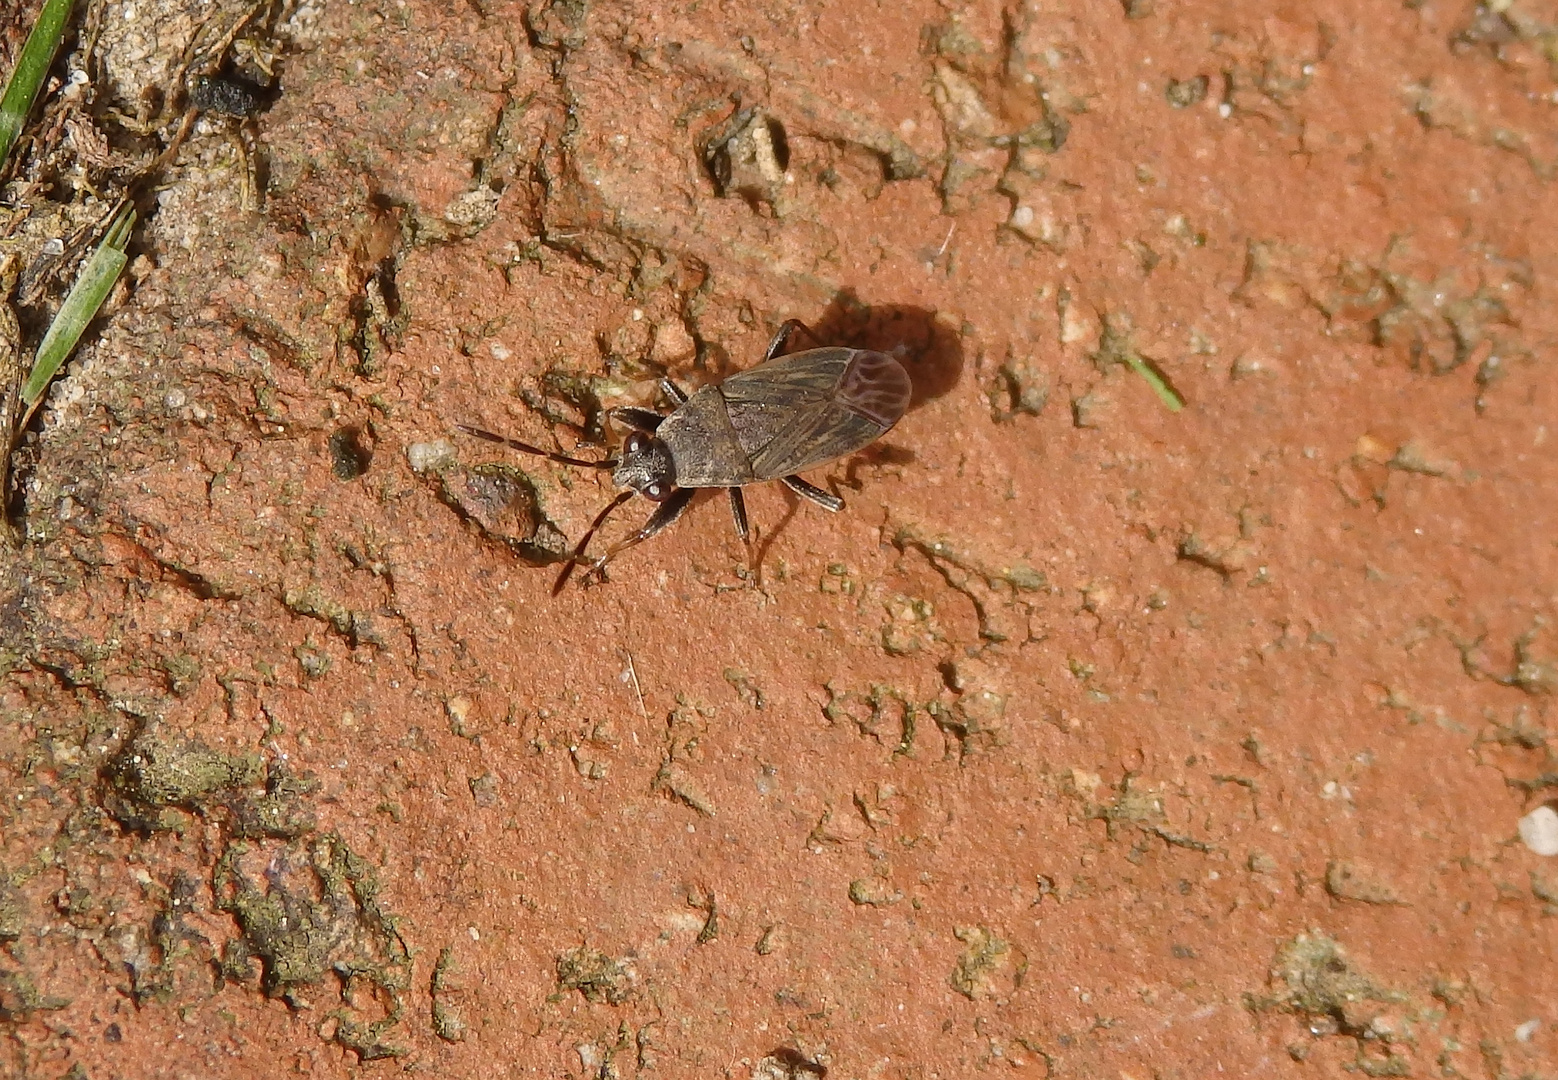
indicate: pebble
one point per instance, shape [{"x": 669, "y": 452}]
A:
[
  {"x": 1539, "y": 830},
  {"x": 424, "y": 457}
]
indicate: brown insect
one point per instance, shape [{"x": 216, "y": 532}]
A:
[{"x": 786, "y": 415}]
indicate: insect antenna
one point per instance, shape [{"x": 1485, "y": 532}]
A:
[
  {"x": 577, "y": 556},
  {"x": 526, "y": 448}
]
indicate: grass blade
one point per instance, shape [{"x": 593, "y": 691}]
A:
[
  {"x": 32, "y": 66},
  {"x": 1115, "y": 347},
  {"x": 80, "y": 307},
  {"x": 1166, "y": 393}
]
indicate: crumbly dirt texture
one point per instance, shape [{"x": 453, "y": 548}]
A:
[{"x": 1091, "y": 738}]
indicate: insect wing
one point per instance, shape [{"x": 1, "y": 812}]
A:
[
  {"x": 876, "y": 386},
  {"x": 766, "y": 400},
  {"x": 802, "y": 410}
]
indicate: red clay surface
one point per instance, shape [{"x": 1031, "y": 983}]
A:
[{"x": 1090, "y": 739}]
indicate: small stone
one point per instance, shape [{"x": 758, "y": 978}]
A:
[
  {"x": 673, "y": 344},
  {"x": 1261, "y": 863},
  {"x": 472, "y": 211},
  {"x": 484, "y": 789},
  {"x": 1090, "y": 410},
  {"x": 458, "y": 709},
  {"x": 1251, "y": 365},
  {"x": 771, "y": 941},
  {"x": 1413, "y": 457},
  {"x": 873, "y": 892},
  {"x": 1359, "y": 881},
  {"x": 1539, "y": 830},
  {"x": 1183, "y": 93},
  {"x": 425, "y": 457}
]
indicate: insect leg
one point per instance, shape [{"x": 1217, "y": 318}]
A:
[
  {"x": 577, "y": 556},
  {"x": 639, "y": 419},
  {"x": 812, "y": 492},
  {"x": 526, "y": 448},
  {"x": 782, "y": 338},
  {"x": 677, "y": 395},
  {"x": 738, "y": 510},
  {"x": 660, "y": 520}
]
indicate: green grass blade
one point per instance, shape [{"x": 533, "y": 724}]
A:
[
  {"x": 1166, "y": 393},
  {"x": 32, "y": 67},
  {"x": 80, "y": 307}
]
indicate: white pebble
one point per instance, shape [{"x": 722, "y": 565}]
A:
[
  {"x": 430, "y": 456},
  {"x": 1539, "y": 830},
  {"x": 1526, "y": 1031}
]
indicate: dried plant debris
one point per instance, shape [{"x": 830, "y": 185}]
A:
[
  {"x": 1018, "y": 389},
  {"x": 1002, "y": 112},
  {"x": 990, "y": 967},
  {"x": 308, "y": 909},
  {"x": 595, "y": 975},
  {"x": 990, "y": 587},
  {"x": 1183, "y": 93},
  {"x": 873, "y": 892},
  {"x": 746, "y": 688},
  {"x": 1534, "y": 672},
  {"x": 1142, "y": 808},
  {"x": 786, "y": 1063},
  {"x": 1313, "y": 978},
  {"x": 1433, "y": 319},
  {"x": 30, "y": 70},
  {"x": 449, "y": 1022},
  {"x": 976, "y": 718},
  {"x": 747, "y": 156},
  {"x": 881, "y": 713},
  {"x": 1442, "y": 102},
  {"x": 98, "y": 148},
  {"x": 159, "y": 777},
  {"x": 684, "y": 732}
]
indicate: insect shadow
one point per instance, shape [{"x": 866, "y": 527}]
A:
[
  {"x": 790, "y": 413},
  {"x": 930, "y": 351}
]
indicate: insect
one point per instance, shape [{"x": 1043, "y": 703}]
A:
[{"x": 786, "y": 415}]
